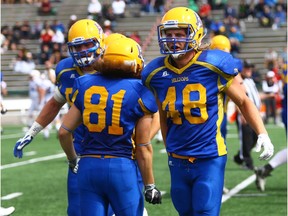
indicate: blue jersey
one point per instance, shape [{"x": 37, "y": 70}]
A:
[
  {"x": 193, "y": 99},
  {"x": 110, "y": 109},
  {"x": 66, "y": 73}
]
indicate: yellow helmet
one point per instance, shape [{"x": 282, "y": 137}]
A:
[
  {"x": 86, "y": 34},
  {"x": 220, "y": 42},
  {"x": 112, "y": 37},
  {"x": 180, "y": 18},
  {"x": 123, "y": 58}
]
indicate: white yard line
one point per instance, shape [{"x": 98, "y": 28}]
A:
[
  {"x": 11, "y": 196},
  {"x": 31, "y": 161},
  {"x": 238, "y": 188}
]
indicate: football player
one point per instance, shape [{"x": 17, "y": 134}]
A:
[
  {"x": 112, "y": 105},
  {"x": 189, "y": 84},
  {"x": 86, "y": 45}
]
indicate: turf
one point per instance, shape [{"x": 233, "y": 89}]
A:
[{"x": 43, "y": 184}]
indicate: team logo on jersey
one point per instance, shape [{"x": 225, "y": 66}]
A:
[
  {"x": 180, "y": 79},
  {"x": 165, "y": 73},
  {"x": 72, "y": 76}
]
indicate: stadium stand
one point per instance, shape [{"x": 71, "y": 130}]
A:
[{"x": 256, "y": 39}]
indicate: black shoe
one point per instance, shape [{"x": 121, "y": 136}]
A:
[
  {"x": 3, "y": 111},
  {"x": 238, "y": 160}
]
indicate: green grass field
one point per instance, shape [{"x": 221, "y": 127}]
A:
[{"x": 42, "y": 184}]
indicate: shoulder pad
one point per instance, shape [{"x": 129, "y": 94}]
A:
[{"x": 222, "y": 60}]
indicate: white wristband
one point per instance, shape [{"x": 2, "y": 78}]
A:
[{"x": 34, "y": 129}]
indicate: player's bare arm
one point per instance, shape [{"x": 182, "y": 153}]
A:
[
  {"x": 65, "y": 132},
  {"x": 49, "y": 112},
  {"x": 252, "y": 116}
]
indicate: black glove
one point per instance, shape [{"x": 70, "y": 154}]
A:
[
  {"x": 152, "y": 194},
  {"x": 73, "y": 164}
]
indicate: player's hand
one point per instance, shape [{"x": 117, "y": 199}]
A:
[
  {"x": 20, "y": 144},
  {"x": 265, "y": 142},
  {"x": 73, "y": 165},
  {"x": 152, "y": 194}
]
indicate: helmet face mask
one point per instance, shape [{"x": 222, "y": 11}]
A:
[
  {"x": 85, "y": 57},
  {"x": 85, "y": 42},
  {"x": 170, "y": 45},
  {"x": 180, "y": 18}
]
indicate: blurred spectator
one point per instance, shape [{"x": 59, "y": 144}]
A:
[
  {"x": 56, "y": 54},
  {"x": 271, "y": 89},
  {"x": 58, "y": 25},
  {"x": 230, "y": 11},
  {"x": 243, "y": 9},
  {"x": 266, "y": 19},
  {"x": 36, "y": 94},
  {"x": 16, "y": 30},
  {"x": 95, "y": 9},
  {"x": 107, "y": 28},
  {"x": 118, "y": 7},
  {"x": 25, "y": 30},
  {"x": 46, "y": 8},
  {"x": 235, "y": 37},
  {"x": 280, "y": 17},
  {"x": 108, "y": 14},
  {"x": 58, "y": 38},
  {"x": 24, "y": 62},
  {"x": 145, "y": 6},
  {"x": 259, "y": 8},
  {"x": 282, "y": 3},
  {"x": 44, "y": 54},
  {"x": 270, "y": 59},
  {"x": 46, "y": 35},
  {"x": 135, "y": 36},
  {"x": 204, "y": 10},
  {"x": 36, "y": 29},
  {"x": 8, "y": 40},
  {"x": 159, "y": 6},
  {"x": 218, "y": 27}
]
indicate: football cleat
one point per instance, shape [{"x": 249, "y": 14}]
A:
[{"x": 261, "y": 174}]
